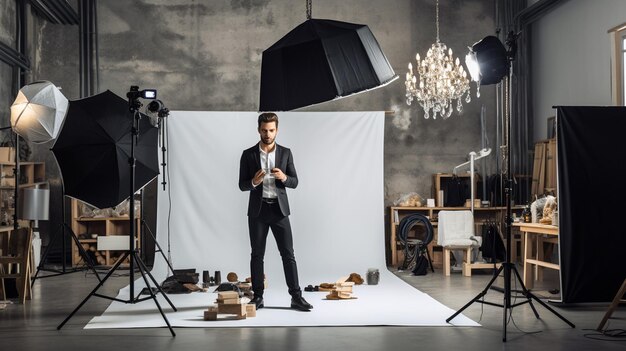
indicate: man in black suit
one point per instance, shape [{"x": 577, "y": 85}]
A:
[{"x": 266, "y": 170}]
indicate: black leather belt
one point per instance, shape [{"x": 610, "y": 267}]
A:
[{"x": 270, "y": 200}]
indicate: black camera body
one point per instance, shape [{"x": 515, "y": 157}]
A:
[{"x": 135, "y": 93}]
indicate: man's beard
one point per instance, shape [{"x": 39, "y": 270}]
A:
[{"x": 267, "y": 141}]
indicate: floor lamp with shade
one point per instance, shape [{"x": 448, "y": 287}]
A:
[{"x": 35, "y": 207}]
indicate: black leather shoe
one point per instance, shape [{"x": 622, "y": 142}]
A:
[
  {"x": 300, "y": 304},
  {"x": 257, "y": 301}
]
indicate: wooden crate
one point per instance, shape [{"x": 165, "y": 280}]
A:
[{"x": 544, "y": 169}]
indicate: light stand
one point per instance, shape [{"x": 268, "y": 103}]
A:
[
  {"x": 159, "y": 114},
  {"x": 132, "y": 254},
  {"x": 508, "y": 267}
]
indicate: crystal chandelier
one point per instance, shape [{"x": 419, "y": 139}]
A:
[{"x": 441, "y": 80}]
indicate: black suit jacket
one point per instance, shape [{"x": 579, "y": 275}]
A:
[{"x": 251, "y": 162}]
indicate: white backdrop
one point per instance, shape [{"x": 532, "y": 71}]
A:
[
  {"x": 337, "y": 220},
  {"x": 337, "y": 208}
]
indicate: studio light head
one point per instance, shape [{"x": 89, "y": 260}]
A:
[
  {"x": 156, "y": 106},
  {"x": 488, "y": 61}
]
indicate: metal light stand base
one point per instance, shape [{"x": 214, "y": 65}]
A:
[
  {"x": 507, "y": 267},
  {"x": 134, "y": 257},
  {"x": 131, "y": 253}
]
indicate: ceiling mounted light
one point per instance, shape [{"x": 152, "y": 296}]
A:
[
  {"x": 441, "y": 80},
  {"x": 321, "y": 60}
]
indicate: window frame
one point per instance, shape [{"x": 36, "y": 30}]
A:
[{"x": 619, "y": 63}]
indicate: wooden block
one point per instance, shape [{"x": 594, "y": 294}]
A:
[
  {"x": 341, "y": 280},
  {"x": 210, "y": 315},
  {"x": 223, "y": 295},
  {"x": 212, "y": 308},
  {"x": 346, "y": 289},
  {"x": 250, "y": 310},
  {"x": 229, "y": 301},
  {"x": 238, "y": 309}
]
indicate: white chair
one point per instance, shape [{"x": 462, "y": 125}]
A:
[{"x": 456, "y": 232}]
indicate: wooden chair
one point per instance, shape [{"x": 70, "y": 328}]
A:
[
  {"x": 613, "y": 306},
  {"x": 16, "y": 263}
]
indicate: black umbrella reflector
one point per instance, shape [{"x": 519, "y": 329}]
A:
[
  {"x": 94, "y": 147},
  {"x": 321, "y": 60}
]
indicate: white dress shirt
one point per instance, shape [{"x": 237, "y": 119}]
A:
[{"x": 268, "y": 162}]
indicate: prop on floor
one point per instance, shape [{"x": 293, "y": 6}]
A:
[
  {"x": 182, "y": 282},
  {"x": 232, "y": 277},
  {"x": 242, "y": 288},
  {"x": 373, "y": 276},
  {"x": 342, "y": 290},
  {"x": 229, "y": 305},
  {"x": 354, "y": 278}
]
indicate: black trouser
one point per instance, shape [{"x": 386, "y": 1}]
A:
[{"x": 271, "y": 217}]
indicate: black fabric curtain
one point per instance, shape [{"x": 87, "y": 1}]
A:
[
  {"x": 592, "y": 191},
  {"x": 517, "y": 16},
  {"x": 521, "y": 142}
]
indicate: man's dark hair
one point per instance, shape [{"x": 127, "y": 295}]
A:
[{"x": 268, "y": 117}]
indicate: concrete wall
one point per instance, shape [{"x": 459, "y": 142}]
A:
[
  {"x": 206, "y": 55},
  {"x": 572, "y": 57}
]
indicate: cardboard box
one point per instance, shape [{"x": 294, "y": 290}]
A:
[{"x": 7, "y": 154}]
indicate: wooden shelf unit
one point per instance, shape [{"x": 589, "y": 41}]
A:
[
  {"x": 31, "y": 173},
  {"x": 440, "y": 180},
  {"x": 85, "y": 227}
]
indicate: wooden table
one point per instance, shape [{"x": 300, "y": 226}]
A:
[{"x": 535, "y": 232}]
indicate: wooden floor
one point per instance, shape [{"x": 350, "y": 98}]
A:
[{"x": 33, "y": 326}]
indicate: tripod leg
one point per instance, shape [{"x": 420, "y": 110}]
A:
[
  {"x": 84, "y": 254},
  {"x": 43, "y": 259},
  {"x": 143, "y": 268},
  {"x": 525, "y": 291},
  {"x": 478, "y": 297},
  {"x": 143, "y": 275},
  {"x": 506, "y": 306},
  {"x": 531, "y": 295},
  {"x": 93, "y": 292}
]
